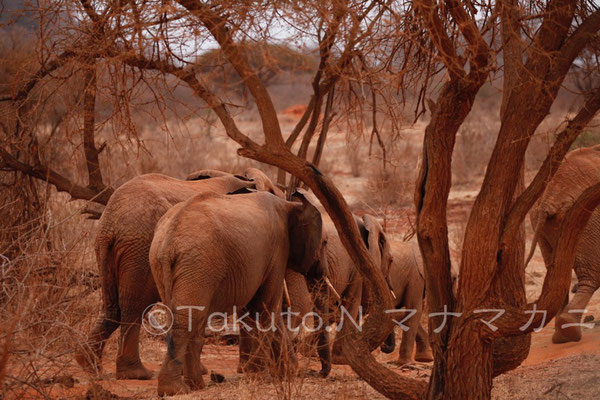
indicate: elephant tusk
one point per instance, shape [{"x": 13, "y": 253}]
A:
[
  {"x": 287, "y": 293},
  {"x": 393, "y": 295},
  {"x": 328, "y": 282}
]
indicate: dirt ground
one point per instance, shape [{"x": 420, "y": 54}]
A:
[{"x": 566, "y": 371}]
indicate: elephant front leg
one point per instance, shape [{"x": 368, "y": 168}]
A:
[
  {"x": 423, "y": 353},
  {"x": 350, "y": 315},
  {"x": 90, "y": 356},
  {"x": 136, "y": 292},
  {"x": 408, "y": 343},
  {"x": 322, "y": 323},
  {"x": 568, "y": 322},
  {"x": 389, "y": 344},
  {"x": 282, "y": 349},
  {"x": 129, "y": 364},
  {"x": 247, "y": 346},
  {"x": 324, "y": 352}
]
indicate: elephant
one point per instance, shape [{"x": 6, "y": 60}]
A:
[
  {"x": 217, "y": 253},
  {"x": 408, "y": 285},
  {"x": 122, "y": 245},
  {"x": 347, "y": 282},
  {"x": 579, "y": 170}
]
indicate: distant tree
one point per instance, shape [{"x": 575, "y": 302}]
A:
[{"x": 269, "y": 60}]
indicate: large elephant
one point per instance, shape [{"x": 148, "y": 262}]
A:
[
  {"x": 579, "y": 170},
  {"x": 346, "y": 280},
  {"x": 122, "y": 245},
  {"x": 408, "y": 284},
  {"x": 220, "y": 253}
]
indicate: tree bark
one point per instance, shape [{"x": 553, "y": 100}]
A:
[{"x": 92, "y": 161}]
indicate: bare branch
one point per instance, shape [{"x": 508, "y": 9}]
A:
[
  {"x": 95, "y": 180},
  {"x": 429, "y": 12},
  {"x": 551, "y": 163},
  {"x": 573, "y": 46},
  {"x": 217, "y": 27},
  {"x": 466, "y": 24},
  {"x": 61, "y": 183},
  {"x": 558, "y": 277}
]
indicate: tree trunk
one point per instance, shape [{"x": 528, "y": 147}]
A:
[{"x": 470, "y": 364}]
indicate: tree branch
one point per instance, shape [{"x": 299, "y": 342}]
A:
[
  {"x": 327, "y": 117},
  {"x": 573, "y": 46},
  {"x": 558, "y": 277},
  {"x": 92, "y": 161},
  {"x": 468, "y": 28},
  {"x": 217, "y": 27},
  {"x": 61, "y": 183},
  {"x": 559, "y": 149},
  {"x": 512, "y": 47},
  {"x": 437, "y": 32}
]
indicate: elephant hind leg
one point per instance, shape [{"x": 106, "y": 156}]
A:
[
  {"x": 181, "y": 342},
  {"x": 193, "y": 368},
  {"x": 89, "y": 357},
  {"x": 568, "y": 322},
  {"x": 137, "y": 291}
]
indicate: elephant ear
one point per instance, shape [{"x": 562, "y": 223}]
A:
[
  {"x": 364, "y": 233},
  {"x": 377, "y": 243},
  {"x": 263, "y": 183},
  {"x": 376, "y": 239},
  {"x": 305, "y": 235}
]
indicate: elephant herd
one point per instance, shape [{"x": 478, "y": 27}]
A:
[{"x": 218, "y": 242}]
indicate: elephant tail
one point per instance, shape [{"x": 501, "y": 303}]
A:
[
  {"x": 107, "y": 263},
  {"x": 536, "y": 236}
]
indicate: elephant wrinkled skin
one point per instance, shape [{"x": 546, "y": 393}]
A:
[
  {"x": 125, "y": 232},
  {"x": 219, "y": 252}
]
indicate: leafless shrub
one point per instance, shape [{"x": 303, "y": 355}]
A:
[
  {"x": 393, "y": 185},
  {"x": 43, "y": 285},
  {"x": 474, "y": 143},
  {"x": 354, "y": 149}
]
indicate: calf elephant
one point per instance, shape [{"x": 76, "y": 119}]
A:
[
  {"x": 346, "y": 280},
  {"x": 216, "y": 252},
  {"x": 408, "y": 284},
  {"x": 125, "y": 232},
  {"x": 579, "y": 170}
]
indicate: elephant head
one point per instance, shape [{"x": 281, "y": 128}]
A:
[{"x": 306, "y": 243}]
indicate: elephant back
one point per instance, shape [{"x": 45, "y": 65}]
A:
[{"x": 579, "y": 170}]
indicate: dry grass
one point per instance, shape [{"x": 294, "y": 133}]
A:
[
  {"x": 49, "y": 295},
  {"x": 48, "y": 288}
]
